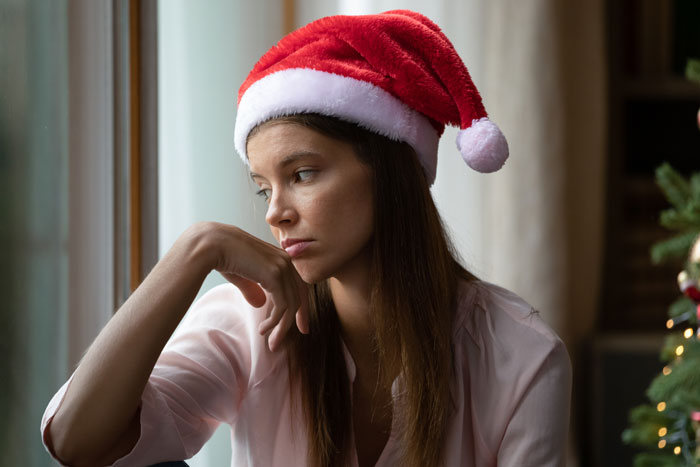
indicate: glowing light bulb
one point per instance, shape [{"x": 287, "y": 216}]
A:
[
  {"x": 677, "y": 450},
  {"x": 661, "y": 406},
  {"x": 662, "y": 443},
  {"x": 669, "y": 323},
  {"x": 679, "y": 350},
  {"x": 663, "y": 431},
  {"x": 688, "y": 333},
  {"x": 666, "y": 371}
]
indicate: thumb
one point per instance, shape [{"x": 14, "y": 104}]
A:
[{"x": 251, "y": 291}]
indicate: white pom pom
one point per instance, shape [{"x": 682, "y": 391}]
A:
[{"x": 483, "y": 146}]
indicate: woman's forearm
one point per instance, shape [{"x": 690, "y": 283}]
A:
[{"x": 100, "y": 406}]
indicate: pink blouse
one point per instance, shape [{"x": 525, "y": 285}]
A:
[{"x": 511, "y": 387}]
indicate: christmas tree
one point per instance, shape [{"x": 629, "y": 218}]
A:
[{"x": 669, "y": 425}]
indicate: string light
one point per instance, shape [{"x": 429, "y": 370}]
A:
[
  {"x": 666, "y": 371},
  {"x": 677, "y": 450},
  {"x": 679, "y": 350},
  {"x": 662, "y": 443},
  {"x": 661, "y": 406},
  {"x": 688, "y": 333},
  {"x": 669, "y": 323},
  {"x": 663, "y": 431}
]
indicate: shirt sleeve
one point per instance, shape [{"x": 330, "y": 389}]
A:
[
  {"x": 536, "y": 434},
  {"x": 198, "y": 382}
]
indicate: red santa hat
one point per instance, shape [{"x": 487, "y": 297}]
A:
[{"x": 393, "y": 73}]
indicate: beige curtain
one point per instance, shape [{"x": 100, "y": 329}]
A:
[
  {"x": 543, "y": 78},
  {"x": 545, "y": 81}
]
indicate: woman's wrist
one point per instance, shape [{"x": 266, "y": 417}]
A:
[{"x": 200, "y": 246}]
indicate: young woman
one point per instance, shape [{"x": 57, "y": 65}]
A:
[{"x": 361, "y": 340}]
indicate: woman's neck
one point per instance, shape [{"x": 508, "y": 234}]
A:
[
  {"x": 351, "y": 297},
  {"x": 351, "y": 300}
]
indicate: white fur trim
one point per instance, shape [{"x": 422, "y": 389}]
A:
[{"x": 298, "y": 90}]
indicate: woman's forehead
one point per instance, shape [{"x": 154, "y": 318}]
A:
[
  {"x": 281, "y": 140},
  {"x": 279, "y": 145}
]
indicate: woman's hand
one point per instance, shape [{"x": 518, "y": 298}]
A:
[
  {"x": 109, "y": 382},
  {"x": 261, "y": 271}
]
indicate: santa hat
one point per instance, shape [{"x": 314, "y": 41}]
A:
[{"x": 393, "y": 73}]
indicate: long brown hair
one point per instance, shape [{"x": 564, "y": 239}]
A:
[{"x": 413, "y": 299}]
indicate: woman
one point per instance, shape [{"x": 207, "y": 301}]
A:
[{"x": 361, "y": 340}]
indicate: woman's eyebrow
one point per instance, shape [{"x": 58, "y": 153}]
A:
[{"x": 287, "y": 160}]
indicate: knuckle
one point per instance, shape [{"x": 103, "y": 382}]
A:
[
  {"x": 276, "y": 270},
  {"x": 284, "y": 263}
]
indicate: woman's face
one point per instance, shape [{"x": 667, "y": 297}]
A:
[{"x": 319, "y": 195}]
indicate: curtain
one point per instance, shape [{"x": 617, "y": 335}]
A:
[
  {"x": 544, "y": 81},
  {"x": 55, "y": 204},
  {"x": 33, "y": 221}
]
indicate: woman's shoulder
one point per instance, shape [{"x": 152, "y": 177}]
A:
[
  {"x": 498, "y": 327},
  {"x": 483, "y": 307},
  {"x": 509, "y": 362}
]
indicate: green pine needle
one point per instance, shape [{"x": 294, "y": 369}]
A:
[
  {"x": 692, "y": 70},
  {"x": 675, "y": 187},
  {"x": 674, "y": 247},
  {"x": 683, "y": 306},
  {"x": 658, "y": 459},
  {"x": 679, "y": 388},
  {"x": 695, "y": 186}
]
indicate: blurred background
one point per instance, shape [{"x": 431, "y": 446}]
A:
[{"x": 116, "y": 133}]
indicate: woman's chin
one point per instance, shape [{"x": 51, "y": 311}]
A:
[
  {"x": 313, "y": 278},
  {"x": 310, "y": 275}
]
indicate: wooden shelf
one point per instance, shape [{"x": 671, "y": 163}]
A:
[{"x": 668, "y": 87}]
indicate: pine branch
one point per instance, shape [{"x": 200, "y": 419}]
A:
[
  {"x": 675, "y": 187},
  {"x": 657, "y": 459},
  {"x": 679, "y": 388},
  {"x": 645, "y": 422},
  {"x": 695, "y": 186},
  {"x": 692, "y": 70},
  {"x": 685, "y": 308},
  {"x": 674, "y": 247},
  {"x": 682, "y": 219}
]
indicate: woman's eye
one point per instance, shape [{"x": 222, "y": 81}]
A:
[
  {"x": 264, "y": 193},
  {"x": 304, "y": 175}
]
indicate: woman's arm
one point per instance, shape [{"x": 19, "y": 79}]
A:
[
  {"x": 98, "y": 418},
  {"x": 536, "y": 435}
]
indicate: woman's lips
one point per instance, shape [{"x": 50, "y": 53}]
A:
[{"x": 297, "y": 248}]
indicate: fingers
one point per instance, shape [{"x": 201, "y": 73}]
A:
[
  {"x": 264, "y": 274},
  {"x": 251, "y": 291},
  {"x": 288, "y": 294},
  {"x": 288, "y": 317},
  {"x": 280, "y": 320},
  {"x": 280, "y": 331}
]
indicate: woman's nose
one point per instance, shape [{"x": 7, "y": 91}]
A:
[{"x": 280, "y": 210}]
